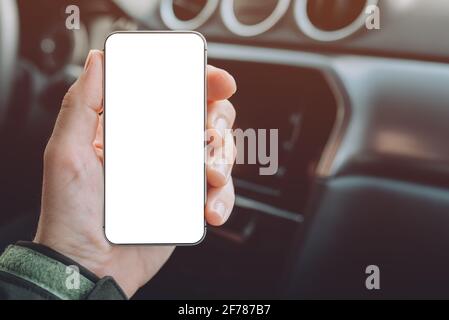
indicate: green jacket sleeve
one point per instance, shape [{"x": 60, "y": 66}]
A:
[{"x": 30, "y": 271}]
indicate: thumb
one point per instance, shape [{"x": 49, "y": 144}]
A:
[{"x": 78, "y": 119}]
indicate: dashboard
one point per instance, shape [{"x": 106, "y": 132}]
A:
[
  {"x": 365, "y": 27},
  {"x": 403, "y": 29}
]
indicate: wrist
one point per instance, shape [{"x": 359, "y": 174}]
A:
[
  {"x": 81, "y": 257},
  {"x": 96, "y": 258}
]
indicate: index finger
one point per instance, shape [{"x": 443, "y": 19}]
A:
[{"x": 220, "y": 84}]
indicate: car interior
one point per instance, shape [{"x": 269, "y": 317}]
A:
[{"x": 362, "y": 114}]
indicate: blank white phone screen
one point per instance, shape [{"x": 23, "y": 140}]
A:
[{"x": 154, "y": 137}]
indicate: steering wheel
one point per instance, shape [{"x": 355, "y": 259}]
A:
[{"x": 9, "y": 37}]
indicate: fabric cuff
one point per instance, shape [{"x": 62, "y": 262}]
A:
[{"x": 56, "y": 273}]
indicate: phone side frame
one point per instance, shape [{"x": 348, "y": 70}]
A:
[{"x": 204, "y": 133}]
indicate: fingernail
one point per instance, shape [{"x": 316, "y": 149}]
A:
[
  {"x": 220, "y": 209},
  {"x": 221, "y": 125},
  {"x": 234, "y": 83},
  {"x": 88, "y": 60}
]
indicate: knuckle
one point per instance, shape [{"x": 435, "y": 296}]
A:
[
  {"x": 58, "y": 157},
  {"x": 70, "y": 96},
  {"x": 50, "y": 152}
]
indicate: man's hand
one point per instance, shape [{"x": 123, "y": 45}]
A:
[{"x": 71, "y": 220}]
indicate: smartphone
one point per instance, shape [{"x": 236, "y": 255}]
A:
[{"x": 154, "y": 130}]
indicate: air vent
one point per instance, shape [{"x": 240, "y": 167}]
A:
[
  {"x": 334, "y": 20},
  {"x": 334, "y": 15},
  {"x": 304, "y": 116},
  {"x": 253, "y": 12},
  {"x": 187, "y": 14},
  {"x": 250, "y": 18},
  {"x": 186, "y": 10}
]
